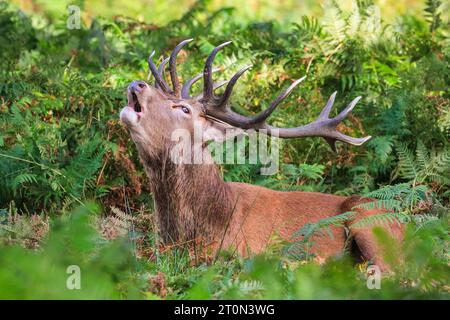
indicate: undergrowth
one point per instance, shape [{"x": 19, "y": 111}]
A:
[{"x": 62, "y": 148}]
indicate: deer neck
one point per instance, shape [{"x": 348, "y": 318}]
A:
[{"x": 192, "y": 201}]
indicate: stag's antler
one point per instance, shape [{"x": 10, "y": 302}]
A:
[
  {"x": 158, "y": 74},
  {"x": 217, "y": 108}
]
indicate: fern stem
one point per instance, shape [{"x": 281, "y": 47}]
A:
[{"x": 43, "y": 166}]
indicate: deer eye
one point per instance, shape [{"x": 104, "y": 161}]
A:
[
  {"x": 185, "y": 110},
  {"x": 182, "y": 107}
]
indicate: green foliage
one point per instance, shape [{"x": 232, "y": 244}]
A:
[
  {"x": 36, "y": 170},
  {"x": 105, "y": 268},
  {"x": 301, "y": 249},
  {"x": 431, "y": 167},
  {"x": 15, "y": 28},
  {"x": 61, "y": 144},
  {"x": 423, "y": 275},
  {"x": 432, "y": 14}
]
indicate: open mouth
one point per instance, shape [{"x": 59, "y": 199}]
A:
[
  {"x": 133, "y": 112},
  {"x": 135, "y": 103}
]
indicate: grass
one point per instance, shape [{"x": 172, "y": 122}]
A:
[{"x": 72, "y": 190}]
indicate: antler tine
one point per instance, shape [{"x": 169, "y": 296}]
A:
[
  {"x": 341, "y": 116},
  {"x": 226, "y": 95},
  {"x": 173, "y": 66},
  {"x": 220, "y": 84},
  {"x": 217, "y": 85},
  {"x": 266, "y": 113},
  {"x": 158, "y": 79},
  {"x": 326, "y": 110},
  {"x": 207, "y": 72},
  {"x": 323, "y": 127},
  {"x": 161, "y": 69},
  {"x": 257, "y": 121},
  {"x": 309, "y": 131},
  {"x": 188, "y": 84},
  {"x": 162, "y": 66}
]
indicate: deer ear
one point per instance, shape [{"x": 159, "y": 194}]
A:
[{"x": 219, "y": 131}]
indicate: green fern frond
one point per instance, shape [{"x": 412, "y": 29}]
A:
[
  {"x": 422, "y": 157},
  {"x": 439, "y": 167},
  {"x": 308, "y": 28},
  {"x": 247, "y": 287},
  {"x": 335, "y": 24},
  {"x": 383, "y": 219},
  {"x": 426, "y": 166},
  {"x": 23, "y": 178},
  {"x": 309, "y": 229},
  {"x": 354, "y": 20},
  {"x": 390, "y": 191},
  {"x": 415, "y": 195},
  {"x": 407, "y": 165},
  {"x": 387, "y": 204},
  {"x": 382, "y": 146}
]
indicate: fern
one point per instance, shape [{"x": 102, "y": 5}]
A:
[
  {"x": 311, "y": 229},
  {"x": 250, "y": 287},
  {"x": 308, "y": 28},
  {"x": 382, "y": 218},
  {"x": 300, "y": 249},
  {"x": 116, "y": 224},
  {"x": 382, "y": 146},
  {"x": 407, "y": 165},
  {"x": 335, "y": 24},
  {"x": 438, "y": 168},
  {"x": 432, "y": 14},
  {"x": 61, "y": 142},
  {"x": 391, "y": 218},
  {"x": 22, "y": 179},
  {"x": 46, "y": 180},
  {"x": 400, "y": 201},
  {"x": 425, "y": 166},
  {"x": 390, "y": 191},
  {"x": 422, "y": 156},
  {"x": 387, "y": 204}
]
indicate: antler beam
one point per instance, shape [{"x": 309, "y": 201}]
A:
[{"x": 323, "y": 126}]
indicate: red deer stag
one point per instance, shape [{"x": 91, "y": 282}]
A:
[{"x": 193, "y": 202}]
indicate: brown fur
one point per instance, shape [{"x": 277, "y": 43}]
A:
[{"x": 193, "y": 202}]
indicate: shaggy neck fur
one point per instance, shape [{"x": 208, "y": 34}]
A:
[{"x": 192, "y": 201}]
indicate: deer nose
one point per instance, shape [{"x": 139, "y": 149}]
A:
[{"x": 137, "y": 86}]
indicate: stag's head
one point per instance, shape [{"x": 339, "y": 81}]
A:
[{"x": 155, "y": 111}]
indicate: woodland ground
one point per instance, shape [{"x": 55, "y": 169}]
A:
[{"x": 72, "y": 191}]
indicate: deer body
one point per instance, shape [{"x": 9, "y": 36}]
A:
[
  {"x": 192, "y": 201},
  {"x": 194, "y": 204},
  {"x": 263, "y": 213}
]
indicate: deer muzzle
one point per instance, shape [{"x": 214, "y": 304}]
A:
[{"x": 132, "y": 113}]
